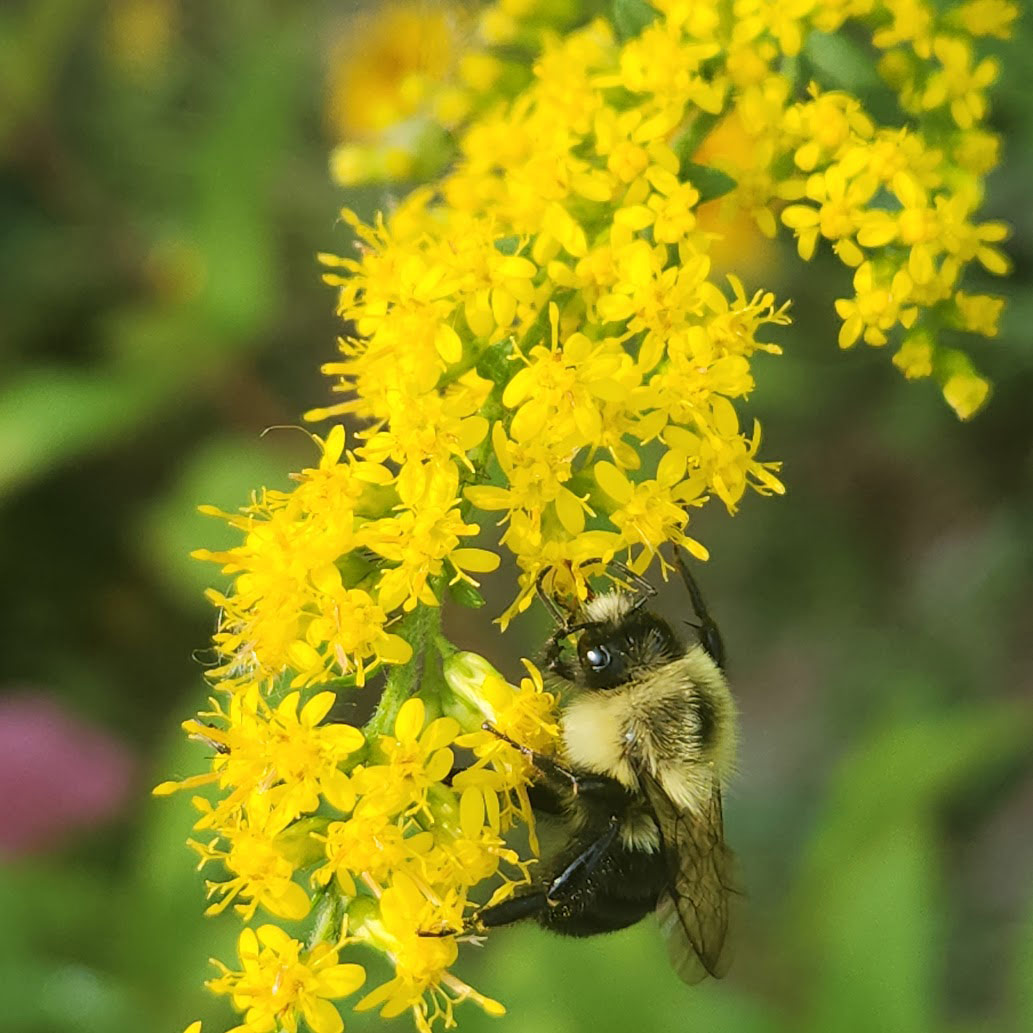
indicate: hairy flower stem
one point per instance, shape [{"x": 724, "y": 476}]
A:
[{"x": 419, "y": 627}]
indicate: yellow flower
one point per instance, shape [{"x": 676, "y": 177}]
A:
[
  {"x": 370, "y": 844},
  {"x": 979, "y": 313},
  {"x": 987, "y": 17},
  {"x": 841, "y": 196},
  {"x": 877, "y": 308},
  {"x": 422, "y": 983},
  {"x": 527, "y": 715},
  {"x": 565, "y": 387},
  {"x": 824, "y": 125},
  {"x": 960, "y": 83},
  {"x": 966, "y": 393},
  {"x": 286, "y": 606},
  {"x": 280, "y": 981},
  {"x": 415, "y": 759},
  {"x": 425, "y": 535},
  {"x": 385, "y": 68},
  {"x": 913, "y": 23},
  {"x": 915, "y": 357},
  {"x": 275, "y": 762},
  {"x": 261, "y": 874}
]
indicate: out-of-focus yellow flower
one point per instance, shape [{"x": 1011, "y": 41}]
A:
[
  {"x": 966, "y": 392},
  {"x": 140, "y": 33},
  {"x": 388, "y": 62}
]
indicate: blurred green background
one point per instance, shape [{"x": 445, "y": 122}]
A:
[{"x": 163, "y": 192}]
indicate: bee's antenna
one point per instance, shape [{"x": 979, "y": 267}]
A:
[
  {"x": 709, "y": 636},
  {"x": 547, "y": 601},
  {"x": 645, "y": 589}
]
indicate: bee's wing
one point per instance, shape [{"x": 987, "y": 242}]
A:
[{"x": 694, "y": 909}]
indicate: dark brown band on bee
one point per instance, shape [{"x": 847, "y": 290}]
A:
[{"x": 707, "y": 720}]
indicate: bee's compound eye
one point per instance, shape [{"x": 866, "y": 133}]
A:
[{"x": 598, "y": 658}]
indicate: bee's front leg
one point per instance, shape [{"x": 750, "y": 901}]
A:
[
  {"x": 557, "y": 777},
  {"x": 554, "y": 772},
  {"x": 709, "y": 635}
]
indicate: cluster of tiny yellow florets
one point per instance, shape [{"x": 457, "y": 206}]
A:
[
  {"x": 540, "y": 353},
  {"x": 739, "y": 84},
  {"x": 361, "y": 835}
]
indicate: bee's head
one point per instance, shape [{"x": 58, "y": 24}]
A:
[{"x": 619, "y": 640}]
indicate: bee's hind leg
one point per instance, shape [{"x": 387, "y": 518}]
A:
[{"x": 530, "y": 905}]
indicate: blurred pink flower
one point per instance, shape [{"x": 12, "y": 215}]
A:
[{"x": 58, "y": 774}]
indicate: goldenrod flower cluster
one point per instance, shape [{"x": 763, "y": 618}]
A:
[
  {"x": 897, "y": 203},
  {"x": 539, "y": 358}
]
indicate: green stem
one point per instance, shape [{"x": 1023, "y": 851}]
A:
[{"x": 403, "y": 680}]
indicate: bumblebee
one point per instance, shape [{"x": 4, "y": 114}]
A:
[{"x": 648, "y": 738}]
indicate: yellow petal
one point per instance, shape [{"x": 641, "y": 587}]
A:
[
  {"x": 517, "y": 267},
  {"x": 486, "y": 497},
  {"x": 317, "y": 708},
  {"x": 440, "y": 765},
  {"x": 326, "y": 579},
  {"x": 302, "y": 656},
  {"x": 471, "y": 812},
  {"x": 409, "y": 720},
  {"x": 393, "y": 649},
  {"x": 333, "y": 446},
  {"x": 343, "y": 738},
  {"x": 273, "y": 937},
  {"x": 448, "y": 344},
  {"x": 321, "y": 1015},
  {"x": 570, "y": 511},
  {"x": 612, "y": 481},
  {"x": 377, "y": 996},
  {"x": 292, "y": 903},
  {"x": 340, "y": 980},
  {"x": 439, "y": 733},
  {"x": 247, "y": 944},
  {"x": 479, "y": 560}
]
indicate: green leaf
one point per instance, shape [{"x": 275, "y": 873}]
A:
[
  {"x": 841, "y": 62},
  {"x": 465, "y": 594},
  {"x": 686, "y": 145},
  {"x": 875, "y": 929},
  {"x": 631, "y": 17},
  {"x": 710, "y": 182},
  {"x": 908, "y": 769},
  {"x": 868, "y": 896},
  {"x": 1023, "y": 979},
  {"x": 253, "y": 123},
  {"x": 51, "y": 414}
]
